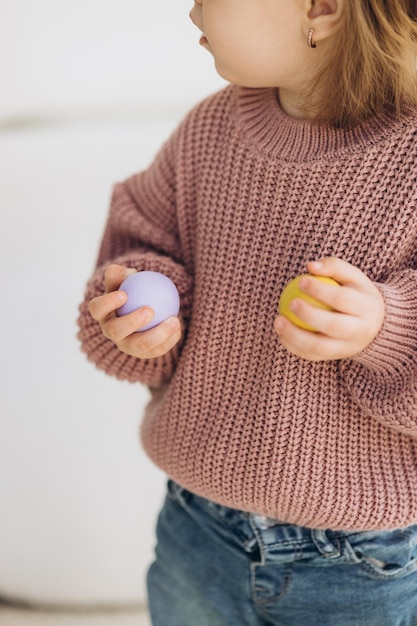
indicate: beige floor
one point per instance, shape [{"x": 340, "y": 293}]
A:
[{"x": 25, "y": 617}]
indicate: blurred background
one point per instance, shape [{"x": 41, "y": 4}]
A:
[{"x": 89, "y": 91}]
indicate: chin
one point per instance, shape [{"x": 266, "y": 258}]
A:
[{"x": 238, "y": 79}]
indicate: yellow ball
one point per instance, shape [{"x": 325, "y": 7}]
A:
[{"x": 292, "y": 290}]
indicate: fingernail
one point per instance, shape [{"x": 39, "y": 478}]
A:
[
  {"x": 294, "y": 305},
  {"x": 146, "y": 315},
  {"x": 174, "y": 323},
  {"x": 316, "y": 264},
  {"x": 122, "y": 296},
  {"x": 279, "y": 324},
  {"x": 129, "y": 271}
]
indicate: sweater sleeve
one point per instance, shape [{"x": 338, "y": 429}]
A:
[
  {"x": 383, "y": 378},
  {"x": 142, "y": 232}
]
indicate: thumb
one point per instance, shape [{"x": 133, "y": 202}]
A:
[{"x": 115, "y": 275}]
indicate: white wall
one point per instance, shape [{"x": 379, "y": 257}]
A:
[
  {"x": 90, "y": 89},
  {"x": 108, "y": 55}
]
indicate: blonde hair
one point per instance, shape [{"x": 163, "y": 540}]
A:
[{"x": 372, "y": 65}]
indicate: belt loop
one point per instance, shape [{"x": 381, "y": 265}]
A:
[{"x": 324, "y": 545}]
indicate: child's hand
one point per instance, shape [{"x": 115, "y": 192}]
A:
[
  {"x": 121, "y": 330},
  {"x": 357, "y": 315}
]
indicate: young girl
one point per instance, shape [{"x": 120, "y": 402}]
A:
[{"x": 292, "y": 454}]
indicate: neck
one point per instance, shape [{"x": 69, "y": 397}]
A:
[
  {"x": 293, "y": 139},
  {"x": 291, "y": 104}
]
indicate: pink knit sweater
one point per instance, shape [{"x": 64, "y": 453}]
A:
[{"x": 234, "y": 205}]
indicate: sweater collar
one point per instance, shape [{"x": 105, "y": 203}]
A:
[{"x": 296, "y": 140}]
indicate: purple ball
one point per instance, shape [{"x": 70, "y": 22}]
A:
[{"x": 150, "y": 289}]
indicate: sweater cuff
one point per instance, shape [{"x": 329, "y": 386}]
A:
[{"x": 392, "y": 353}]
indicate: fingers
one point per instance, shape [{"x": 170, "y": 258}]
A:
[
  {"x": 115, "y": 275},
  {"x": 341, "y": 271},
  {"x": 122, "y": 331},
  {"x": 308, "y": 345},
  {"x": 340, "y": 298},
  {"x": 118, "y": 328},
  {"x": 355, "y": 296},
  {"x": 102, "y": 307},
  {"x": 155, "y": 342},
  {"x": 331, "y": 323},
  {"x": 354, "y": 316}
]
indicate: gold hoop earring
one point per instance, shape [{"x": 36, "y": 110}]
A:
[{"x": 310, "y": 42}]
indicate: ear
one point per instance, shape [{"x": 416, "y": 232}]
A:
[{"x": 325, "y": 17}]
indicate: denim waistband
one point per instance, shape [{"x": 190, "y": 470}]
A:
[{"x": 284, "y": 542}]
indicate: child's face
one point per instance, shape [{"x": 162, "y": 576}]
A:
[{"x": 256, "y": 43}]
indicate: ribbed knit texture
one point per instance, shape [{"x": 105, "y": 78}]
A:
[{"x": 234, "y": 205}]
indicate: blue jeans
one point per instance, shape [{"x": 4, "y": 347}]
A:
[{"x": 216, "y": 566}]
